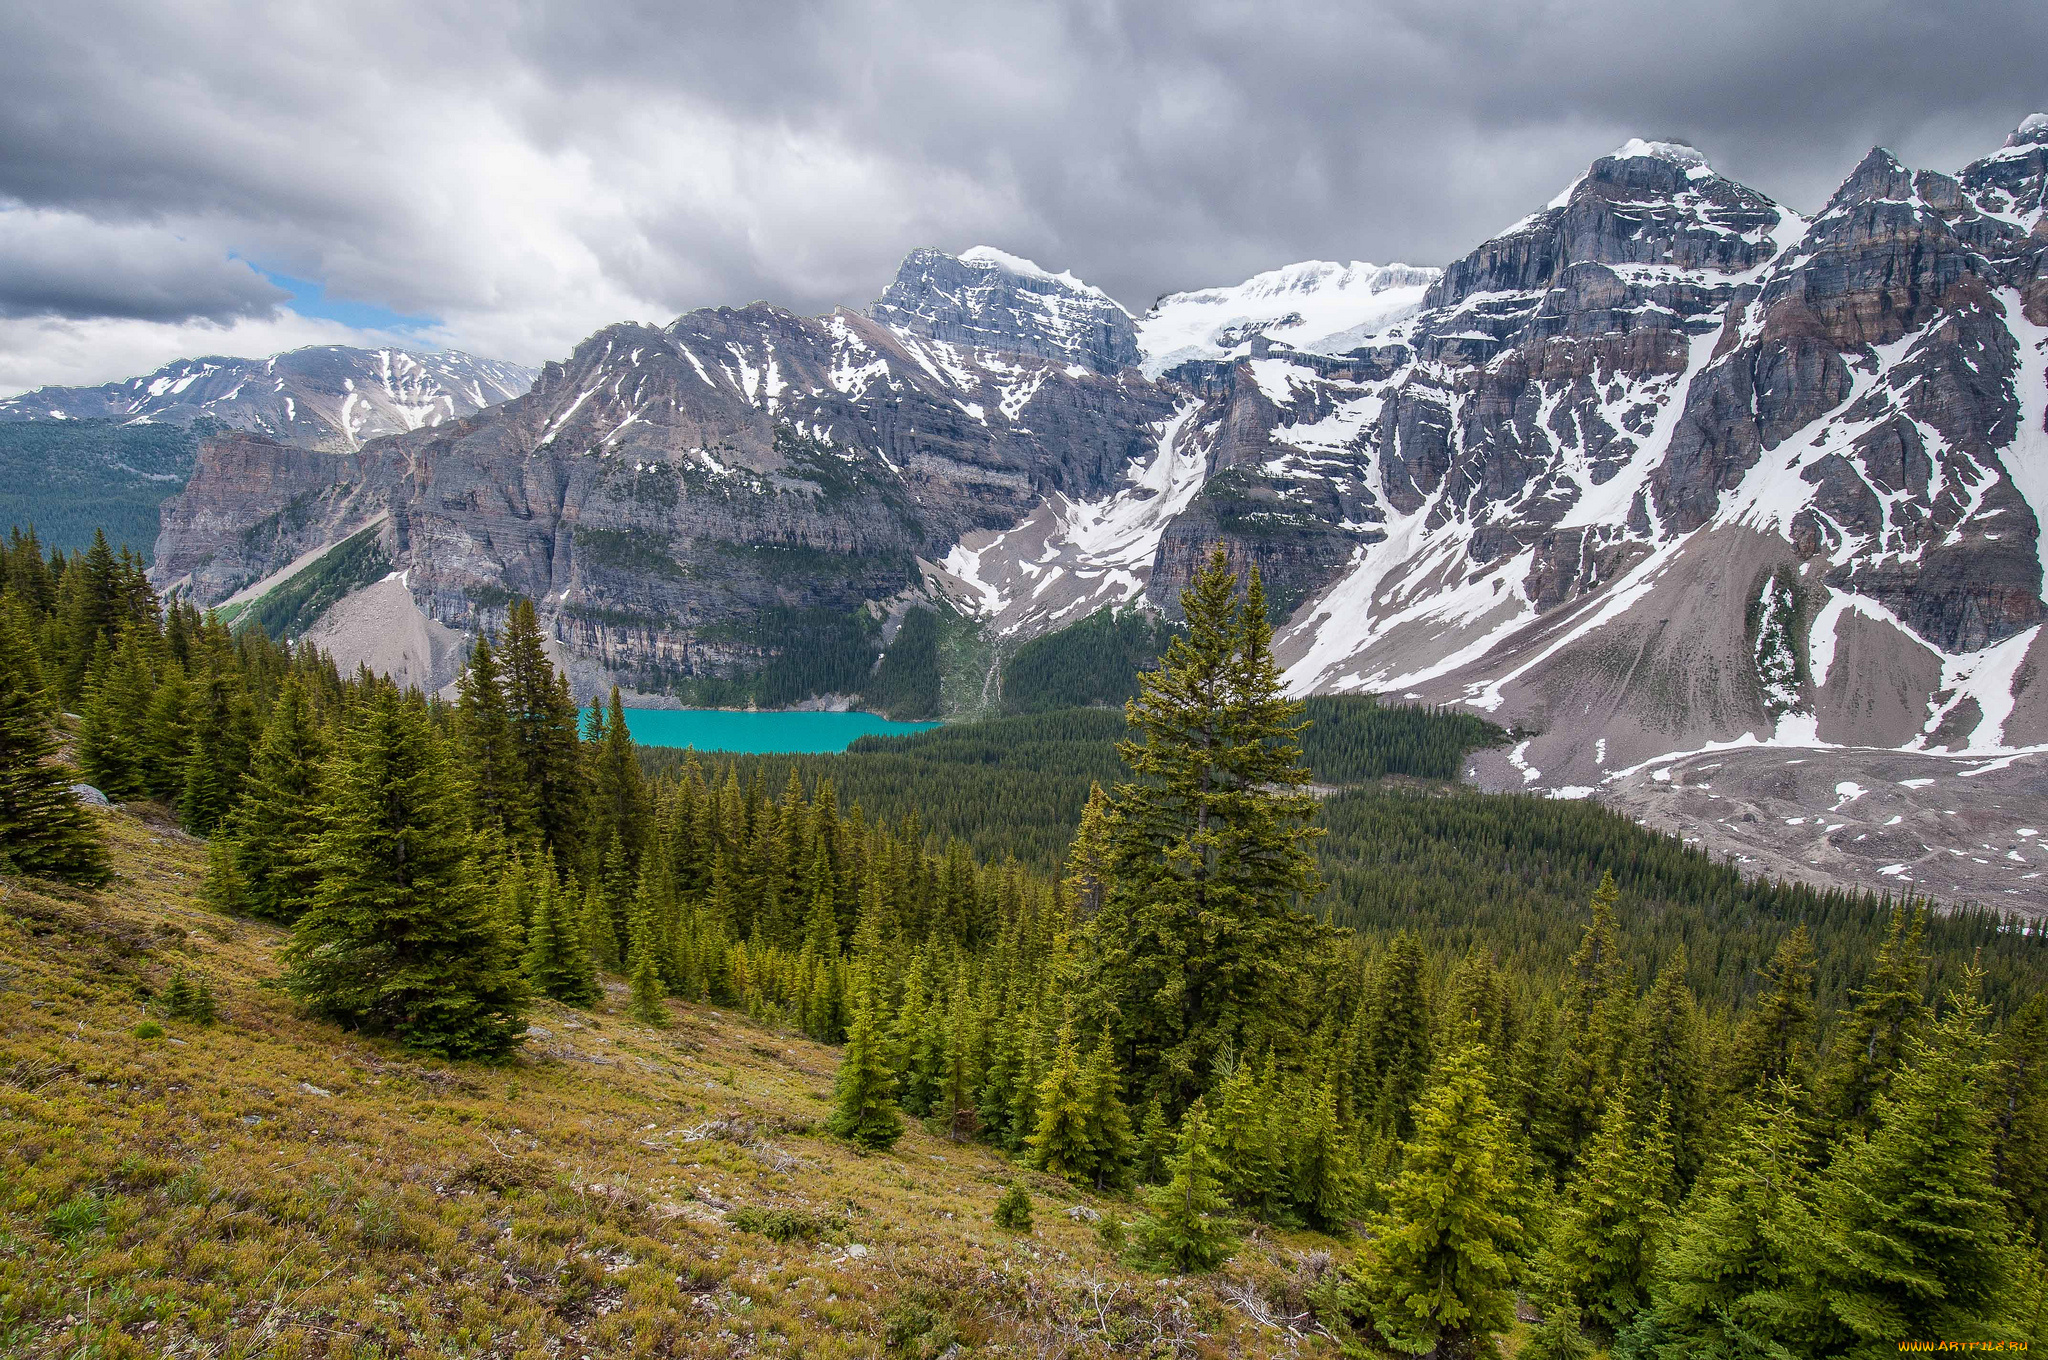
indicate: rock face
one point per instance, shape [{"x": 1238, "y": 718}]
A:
[
  {"x": 986, "y": 300},
  {"x": 325, "y": 397},
  {"x": 1563, "y": 480}
]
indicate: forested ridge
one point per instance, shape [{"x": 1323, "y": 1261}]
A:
[{"x": 1555, "y": 1065}]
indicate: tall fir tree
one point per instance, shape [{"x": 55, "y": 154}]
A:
[
  {"x": 499, "y": 791},
  {"x": 1108, "y": 1124},
  {"x": 2019, "y": 1106},
  {"x": 274, "y": 828},
  {"x": 1776, "y": 1037},
  {"x": 1439, "y": 1276},
  {"x": 1185, "y": 1227},
  {"x": 1604, "y": 1242},
  {"x": 399, "y": 939},
  {"x": 1200, "y": 941},
  {"x": 558, "y": 962},
  {"x": 44, "y": 832},
  {"x": 1870, "y": 1040},
  {"x": 1060, "y": 1143},
  {"x": 544, "y": 733},
  {"x": 864, "y": 1095},
  {"x": 1719, "y": 1288},
  {"x": 1910, "y": 1238}
]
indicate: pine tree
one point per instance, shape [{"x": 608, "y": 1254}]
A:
[
  {"x": 1776, "y": 1038},
  {"x": 1013, "y": 1210},
  {"x": 1185, "y": 1229},
  {"x": 543, "y": 718},
  {"x": 1199, "y": 942},
  {"x": 498, "y": 789},
  {"x": 1328, "y": 1185},
  {"x": 1604, "y": 1243},
  {"x": 1156, "y": 1142},
  {"x": 398, "y": 939},
  {"x": 44, "y": 832},
  {"x": 1726, "y": 1261},
  {"x": 274, "y": 827},
  {"x": 1107, "y": 1122},
  {"x": 2019, "y": 1107},
  {"x": 1870, "y": 1041},
  {"x": 1910, "y": 1237},
  {"x": 647, "y": 1002},
  {"x": 1243, "y": 1137},
  {"x": 863, "y": 1101},
  {"x": 1439, "y": 1276},
  {"x": 558, "y": 962},
  {"x": 1060, "y": 1143}
]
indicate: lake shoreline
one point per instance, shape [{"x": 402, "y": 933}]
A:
[{"x": 741, "y": 731}]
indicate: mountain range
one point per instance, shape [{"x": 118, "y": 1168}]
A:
[
  {"x": 1728, "y": 512},
  {"x": 329, "y": 397}
]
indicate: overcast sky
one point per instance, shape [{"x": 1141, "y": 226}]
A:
[{"x": 199, "y": 176}]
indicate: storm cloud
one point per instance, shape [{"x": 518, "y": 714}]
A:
[{"x": 526, "y": 173}]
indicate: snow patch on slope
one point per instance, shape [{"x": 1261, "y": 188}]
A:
[{"x": 1307, "y": 305}]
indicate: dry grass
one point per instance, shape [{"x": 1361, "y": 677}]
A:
[{"x": 271, "y": 1186}]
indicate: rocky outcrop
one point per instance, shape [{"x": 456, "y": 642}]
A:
[{"x": 326, "y": 397}]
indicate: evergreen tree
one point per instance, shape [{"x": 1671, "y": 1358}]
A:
[
  {"x": 600, "y": 940},
  {"x": 1870, "y": 1042},
  {"x": 44, "y": 833},
  {"x": 1107, "y": 1122},
  {"x": 1088, "y": 863},
  {"x": 558, "y": 962},
  {"x": 1185, "y": 1229},
  {"x": 863, "y": 1101},
  {"x": 398, "y": 939},
  {"x": 498, "y": 789},
  {"x": 1776, "y": 1038},
  {"x": 274, "y": 827},
  {"x": 1397, "y": 1035},
  {"x": 1604, "y": 1245},
  {"x": 1156, "y": 1143},
  {"x": 219, "y": 755},
  {"x": 2019, "y": 1107},
  {"x": 1013, "y": 1210},
  {"x": 1243, "y": 1136},
  {"x": 1328, "y": 1184},
  {"x": 543, "y": 718},
  {"x": 1439, "y": 1276},
  {"x": 1199, "y": 942},
  {"x": 1591, "y": 1029},
  {"x": 1718, "y": 1289},
  {"x": 1671, "y": 1064},
  {"x": 647, "y": 1002},
  {"x": 1060, "y": 1143},
  {"x": 1910, "y": 1238}
]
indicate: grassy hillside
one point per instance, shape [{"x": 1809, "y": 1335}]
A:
[{"x": 268, "y": 1185}]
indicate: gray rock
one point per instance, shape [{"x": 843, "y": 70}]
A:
[{"x": 90, "y": 796}]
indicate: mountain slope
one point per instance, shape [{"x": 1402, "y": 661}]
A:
[{"x": 324, "y": 397}]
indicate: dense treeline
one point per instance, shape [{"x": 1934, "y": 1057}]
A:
[
  {"x": 1653, "y": 1172},
  {"x": 68, "y": 479},
  {"x": 1093, "y": 663}
]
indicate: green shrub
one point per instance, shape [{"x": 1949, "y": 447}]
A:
[
  {"x": 1013, "y": 1210},
  {"x": 148, "y": 1029}
]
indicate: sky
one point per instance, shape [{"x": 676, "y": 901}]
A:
[{"x": 191, "y": 177}]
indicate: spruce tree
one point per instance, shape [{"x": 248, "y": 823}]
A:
[
  {"x": 1604, "y": 1243},
  {"x": 1060, "y": 1143},
  {"x": 398, "y": 939},
  {"x": 864, "y": 1096},
  {"x": 1108, "y": 1123},
  {"x": 1718, "y": 1290},
  {"x": 1671, "y": 1064},
  {"x": 600, "y": 940},
  {"x": 1185, "y": 1228},
  {"x": 1200, "y": 941},
  {"x": 558, "y": 962},
  {"x": 1870, "y": 1040},
  {"x": 1439, "y": 1276},
  {"x": 500, "y": 795},
  {"x": 1911, "y": 1240},
  {"x": 274, "y": 827},
  {"x": 221, "y": 739},
  {"x": 1328, "y": 1186},
  {"x": 44, "y": 832},
  {"x": 1156, "y": 1142},
  {"x": 1243, "y": 1137},
  {"x": 544, "y": 733},
  {"x": 1592, "y": 1029},
  {"x": 2019, "y": 1105},
  {"x": 1397, "y": 1035},
  {"x": 1776, "y": 1038}
]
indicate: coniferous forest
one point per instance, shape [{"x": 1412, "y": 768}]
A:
[{"x": 1508, "y": 1054}]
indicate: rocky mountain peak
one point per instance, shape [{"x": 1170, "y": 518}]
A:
[
  {"x": 987, "y": 299},
  {"x": 1877, "y": 177},
  {"x": 2032, "y": 131}
]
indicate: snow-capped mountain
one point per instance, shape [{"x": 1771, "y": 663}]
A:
[
  {"x": 1315, "y": 306},
  {"x": 325, "y": 396},
  {"x": 1665, "y": 467}
]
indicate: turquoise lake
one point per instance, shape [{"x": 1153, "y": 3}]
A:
[{"x": 715, "y": 729}]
